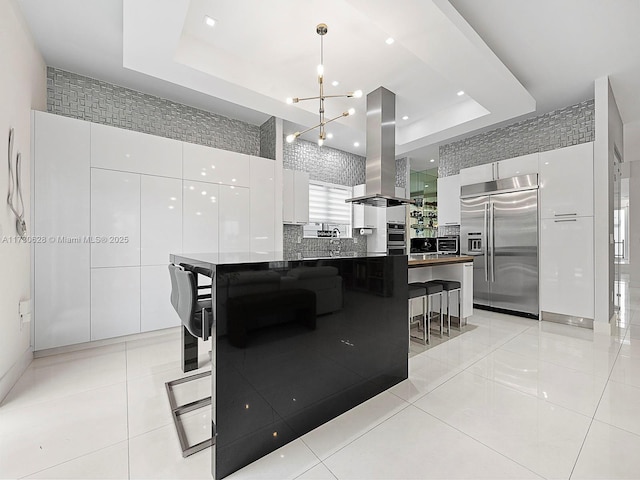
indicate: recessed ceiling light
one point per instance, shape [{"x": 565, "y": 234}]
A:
[
  {"x": 209, "y": 21},
  {"x": 460, "y": 93},
  {"x": 405, "y": 117},
  {"x": 329, "y": 135},
  {"x": 335, "y": 83},
  {"x": 426, "y": 186},
  {"x": 389, "y": 41},
  {"x": 432, "y": 160},
  {"x": 356, "y": 144}
]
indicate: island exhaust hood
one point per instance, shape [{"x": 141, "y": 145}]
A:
[{"x": 381, "y": 151}]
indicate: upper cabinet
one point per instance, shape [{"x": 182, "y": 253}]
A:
[
  {"x": 128, "y": 151},
  {"x": 263, "y": 205},
  {"x": 449, "y": 200},
  {"x": 295, "y": 197},
  {"x": 212, "y": 165},
  {"x": 566, "y": 182},
  {"x": 508, "y": 168},
  {"x": 364, "y": 216}
]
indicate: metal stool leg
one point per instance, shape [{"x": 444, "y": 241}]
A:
[
  {"x": 448, "y": 314},
  {"x": 425, "y": 325},
  {"x": 441, "y": 318}
]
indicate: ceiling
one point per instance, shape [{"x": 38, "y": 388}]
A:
[{"x": 512, "y": 58}]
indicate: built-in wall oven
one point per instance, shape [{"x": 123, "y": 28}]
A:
[{"x": 396, "y": 239}]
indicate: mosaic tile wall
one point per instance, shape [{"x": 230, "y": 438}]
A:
[
  {"x": 560, "y": 128},
  {"x": 95, "y": 101},
  {"x": 333, "y": 166},
  {"x": 268, "y": 139}
]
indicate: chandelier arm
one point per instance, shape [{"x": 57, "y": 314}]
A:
[
  {"x": 344, "y": 95},
  {"x": 345, "y": 114},
  {"x": 307, "y": 98},
  {"x": 308, "y": 129}
]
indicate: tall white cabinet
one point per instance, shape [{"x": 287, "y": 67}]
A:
[
  {"x": 567, "y": 232},
  {"x": 124, "y": 201}
]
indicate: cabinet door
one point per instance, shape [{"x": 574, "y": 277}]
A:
[
  {"x": 233, "y": 219},
  {"x": 156, "y": 311},
  {"x": 566, "y": 182},
  {"x": 115, "y": 302},
  {"x": 566, "y": 266},
  {"x": 518, "y": 166},
  {"x": 115, "y": 218},
  {"x": 449, "y": 200},
  {"x": 288, "y": 197},
  {"x": 301, "y": 197},
  {"x": 160, "y": 219},
  {"x": 199, "y": 217},
  {"x": 128, "y": 151},
  {"x": 262, "y": 205},
  {"x": 206, "y": 164},
  {"x": 62, "y": 182},
  {"x": 478, "y": 174}
]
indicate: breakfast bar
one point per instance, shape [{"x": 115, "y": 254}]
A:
[{"x": 298, "y": 341}]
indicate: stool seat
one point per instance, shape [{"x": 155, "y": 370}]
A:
[
  {"x": 432, "y": 287},
  {"x": 416, "y": 290},
  {"x": 448, "y": 284}
]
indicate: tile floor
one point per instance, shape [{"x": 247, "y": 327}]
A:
[{"x": 509, "y": 398}]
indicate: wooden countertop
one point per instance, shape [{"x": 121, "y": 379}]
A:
[{"x": 430, "y": 259}]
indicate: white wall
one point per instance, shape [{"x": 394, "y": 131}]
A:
[
  {"x": 22, "y": 87},
  {"x": 609, "y": 133}
]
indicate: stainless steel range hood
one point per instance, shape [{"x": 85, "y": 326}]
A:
[{"x": 381, "y": 151}]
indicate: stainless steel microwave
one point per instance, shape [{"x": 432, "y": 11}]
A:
[{"x": 396, "y": 235}]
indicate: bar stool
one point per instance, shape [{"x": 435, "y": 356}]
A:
[
  {"x": 433, "y": 289},
  {"x": 416, "y": 290},
  {"x": 451, "y": 286}
]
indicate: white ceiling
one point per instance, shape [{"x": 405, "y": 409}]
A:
[{"x": 511, "y": 57}]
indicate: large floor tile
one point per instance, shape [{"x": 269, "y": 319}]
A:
[
  {"x": 626, "y": 370},
  {"x": 491, "y": 336},
  {"x": 577, "y": 354},
  {"x": 157, "y": 454},
  {"x": 288, "y": 462},
  {"x": 335, "y": 434},
  {"x": 57, "y": 376},
  {"x": 608, "y": 454},
  {"x": 424, "y": 376},
  {"x": 620, "y": 407},
  {"x": 108, "y": 463},
  {"x": 541, "y": 436},
  {"x": 572, "y": 389},
  {"x": 43, "y": 435},
  {"x": 459, "y": 353},
  {"x": 148, "y": 402},
  {"x": 415, "y": 445},
  {"x": 319, "y": 472}
]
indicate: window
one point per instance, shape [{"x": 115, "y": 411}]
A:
[{"x": 328, "y": 210}]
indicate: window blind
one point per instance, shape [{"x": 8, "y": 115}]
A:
[{"x": 327, "y": 204}]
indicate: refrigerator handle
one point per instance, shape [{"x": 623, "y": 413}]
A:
[
  {"x": 493, "y": 243},
  {"x": 485, "y": 245}
]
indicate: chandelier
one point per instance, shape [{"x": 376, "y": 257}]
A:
[{"x": 321, "y": 30}]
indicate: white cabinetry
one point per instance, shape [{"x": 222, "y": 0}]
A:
[
  {"x": 156, "y": 311},
  {"x": 115, "y": 302},
  {"x": 397, "y": 214},
  {"x": 511, "y": 167},
  {"x": 262, "y": 207},
  {"x": 128, "y": 151},
  {"x": 233, "y": 219},
  {"x": 61, "y": 209},
  {"x": 115, "y": 218},
  {"x": 364, "y": 216},
  {"x": 205, "y": 164},
  {"x": 449, "y": 200},
  {"x": 200, "y": 217},
  {"x": 566, "y": 266},
  {"x": 160, "y": 219},
  {"x": 295, "y": 201},
  {"x": 566, "y": 182}
]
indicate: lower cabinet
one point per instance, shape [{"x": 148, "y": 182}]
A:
[
  {"x": 567, "y": 266},
  {"x": 156, "y": 311},
  {"x": 115, "y": 302}
]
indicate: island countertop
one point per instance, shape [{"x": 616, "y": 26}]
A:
[{"x": 429, "y": 259}]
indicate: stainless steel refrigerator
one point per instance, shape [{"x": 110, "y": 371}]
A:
[{"x": 499, "y": 228}]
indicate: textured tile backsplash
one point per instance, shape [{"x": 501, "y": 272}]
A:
[
  {"x": 560, "y": 128},
  {"x": 95, "y": 101},
  {"x": 268, "y": 139}
]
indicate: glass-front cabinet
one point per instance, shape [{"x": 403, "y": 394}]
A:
[{"x": 423, "y": 214}]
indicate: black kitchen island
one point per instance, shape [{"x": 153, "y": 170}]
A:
[{"x": 297, "y": 342}]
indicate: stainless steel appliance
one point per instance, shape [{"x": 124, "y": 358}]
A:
[
  {"x": 499, "y": 228},
  {"x": 396, "y": 239},
  {"x": 448, "y": 245}
]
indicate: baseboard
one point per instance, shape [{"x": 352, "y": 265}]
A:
[
  {"x": 10, "y": 378},
  {"x": 582, "y": 322}
]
